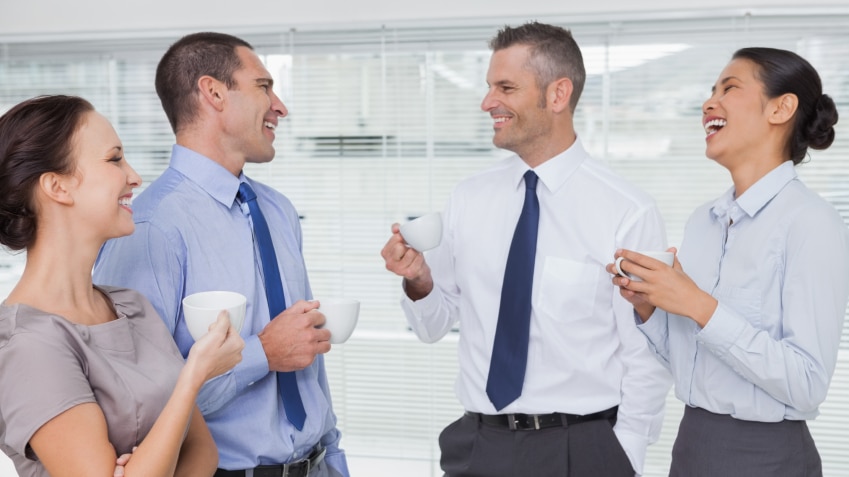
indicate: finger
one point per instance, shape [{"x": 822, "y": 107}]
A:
[
  {"x": 123, "y": 459},
  {"x": 300, "y": 307},
  {"x": 322, "y": 335},
  {"x": 323, "y": 346},
  {"x": 317, "y": 318},
  {"x": 396, "y": 228},
  {"x": 119, "y": 471}
]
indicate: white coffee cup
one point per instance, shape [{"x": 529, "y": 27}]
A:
[
  {"x": 423, "y": 233},
  {"x": 665, "y": 257},
  {"x": 341, "y": 316},
  {"x": 201, "y": 310}
]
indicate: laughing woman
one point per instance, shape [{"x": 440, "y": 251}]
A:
[
  {"x": 751, "y": 330},
  {"x": 88, "y": 372}
]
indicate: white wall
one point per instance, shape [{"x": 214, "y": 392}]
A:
[{"x": 23, "y": 18}]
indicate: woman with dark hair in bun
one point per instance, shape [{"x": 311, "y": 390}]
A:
[
  {"x": 88, "y": 372},
  {"x": 748, "y": 319}
]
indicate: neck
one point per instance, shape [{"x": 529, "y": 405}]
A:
[
  {"x": 747, "y": 172},
  {"x": 212, "y": 146},
  {"x": 57, "y": 279},
  {"x": 543, "y": 152}
]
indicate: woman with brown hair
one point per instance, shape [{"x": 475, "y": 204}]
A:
[{"x": 88, "y": 372}]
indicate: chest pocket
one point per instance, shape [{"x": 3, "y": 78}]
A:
[{"x": 567, "y": 289}]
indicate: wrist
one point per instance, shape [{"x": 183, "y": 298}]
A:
[
  {"x": 418, "y": 288},
  {"x": 705, "y": 309}
]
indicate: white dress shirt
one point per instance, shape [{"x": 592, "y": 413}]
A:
[
  {"x": 780, "y": 273},
  {"x": 585, "y": 354}
]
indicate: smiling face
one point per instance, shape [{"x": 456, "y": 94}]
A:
[
  {"x": 254, "y": 109},
  {"x": 102, "y": 181},
  {"x": 522, "y": 123},
  {"x": 736, "y": 116}
]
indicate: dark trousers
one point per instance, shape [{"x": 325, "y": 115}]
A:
[
  {"x": 471, "y": 448},
  {"x": 717, "y": 445}
]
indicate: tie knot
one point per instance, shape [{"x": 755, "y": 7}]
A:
[
  {"x": 531, "y": 180},
  {"x": 245, "y": 192}
]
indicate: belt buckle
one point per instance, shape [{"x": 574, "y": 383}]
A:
[{"x": 513, "y": 422}]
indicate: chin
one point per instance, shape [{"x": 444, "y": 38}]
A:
[{"x": 260, "y": 159}]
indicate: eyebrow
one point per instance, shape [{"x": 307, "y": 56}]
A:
[{"x": 264, "y": 82}]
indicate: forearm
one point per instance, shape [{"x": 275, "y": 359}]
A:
[
  {"x": 793, "y": 370},
  {"x": 158, "y": 453},
  {"x": 198, "y": 456}
]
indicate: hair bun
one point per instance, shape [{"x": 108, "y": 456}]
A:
[
  {"x": 15, "y": 227},
  {"x": 820, "y": 128}
]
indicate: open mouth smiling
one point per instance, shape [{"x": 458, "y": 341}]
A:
[{"x": 713, "y": 126}]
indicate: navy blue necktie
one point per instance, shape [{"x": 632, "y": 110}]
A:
[
  {"x": 510, "y": 349},
  {"x": 286, "y": 382}
]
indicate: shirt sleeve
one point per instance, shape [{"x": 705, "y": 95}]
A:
[
  {"x": 153, "y": 262},
  {"x": 656, "y": 331},
  {"x": 432, "y": 317},
  {"x": 646, "y": 382},
  {"x": 41, "y": 376},
  {"x": 795, "y": 368}
]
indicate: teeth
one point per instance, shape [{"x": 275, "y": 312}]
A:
[
  {"x": 269, "y": 125},
  {"x": 125, "y": 201},
  {"x": 500, "y": 119},
  {"x": 714, "y": 125}
]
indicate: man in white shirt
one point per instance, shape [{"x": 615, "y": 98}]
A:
[{"x": 561, "y": 383}]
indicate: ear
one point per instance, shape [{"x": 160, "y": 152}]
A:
[
  {"x": 54, "y": 187},
  {"x": 559, "y": 94},
  {"x": 212, "y": 91},
  {"x": 783, "y": 108}
]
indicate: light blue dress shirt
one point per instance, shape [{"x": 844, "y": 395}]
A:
[
  {"x": 191, "y": 236},
  {"x": 777, "y": 261}
]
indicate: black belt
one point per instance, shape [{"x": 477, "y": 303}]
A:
[
  {"x": 300, "y": 468},
  {"x": 526, "y": 422}
]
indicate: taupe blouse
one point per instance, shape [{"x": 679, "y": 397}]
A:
[{"x": 48, "y": 365}]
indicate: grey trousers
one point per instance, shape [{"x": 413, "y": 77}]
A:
[
  {"x": 716, "y": 445},
  {"x": 590, "y": 449}
]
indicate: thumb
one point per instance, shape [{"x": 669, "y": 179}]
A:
[{"x": 222, "y": 323}]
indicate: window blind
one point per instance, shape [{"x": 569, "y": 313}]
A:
[{"x": 384, "y": 122}]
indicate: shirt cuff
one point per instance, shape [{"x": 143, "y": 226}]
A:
[
  {"x": 635, "y": 448},
  {"x": 254, "y": 365},
  {"x": 655, "y": 326},
  {"x": 338, "y": 462},
  {"x": 722, "y": 330}
]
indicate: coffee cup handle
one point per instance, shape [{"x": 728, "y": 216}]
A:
[{"x": 618, "y": 265}]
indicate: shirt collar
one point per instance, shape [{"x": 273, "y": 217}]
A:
[
  {"x": 210, "y": 176},
  {"x": 555, "y": 171},
  {"x": 758, "y": 195}
]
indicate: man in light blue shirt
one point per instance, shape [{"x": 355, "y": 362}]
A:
[{"x": 193, "y": 234}]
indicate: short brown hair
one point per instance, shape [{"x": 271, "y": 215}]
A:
[{"x": 199, "y": 54}]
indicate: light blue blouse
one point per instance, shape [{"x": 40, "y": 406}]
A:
[{"x": 777, "y": 261}]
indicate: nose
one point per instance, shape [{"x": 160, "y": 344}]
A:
[
  {"x": 277, "y": 106},
  {"x": 133, "y": 178},
  {"x": 489, "y": 102},
  {"x": 709, "y": 104}
]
